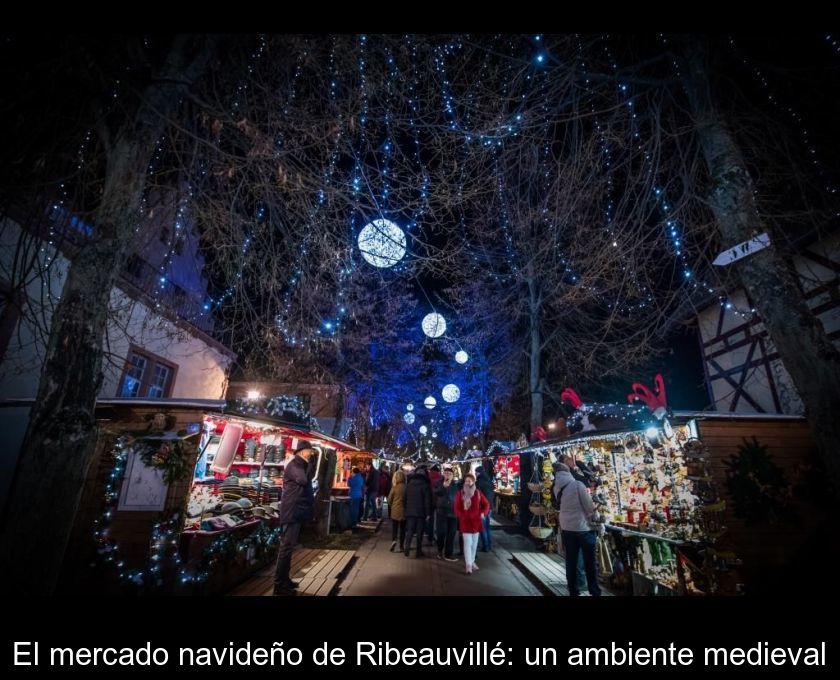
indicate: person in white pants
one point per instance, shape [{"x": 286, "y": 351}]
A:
[{"x": 471, "y": 507}]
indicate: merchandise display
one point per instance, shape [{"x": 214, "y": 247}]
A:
[{"x": 654, "y": 491}]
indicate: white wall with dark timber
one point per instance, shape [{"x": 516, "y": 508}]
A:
[{"x": 744, "y": 373}]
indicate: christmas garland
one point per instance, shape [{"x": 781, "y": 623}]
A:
[
  {"x": 173, "y": 457},
  {"x": 163, "y": 542},
  {"x": 227, "y": 548},
  {"x": 276, "y": 407}
]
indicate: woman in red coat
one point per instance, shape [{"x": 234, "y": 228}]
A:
[{"x": 471, "y": 507}]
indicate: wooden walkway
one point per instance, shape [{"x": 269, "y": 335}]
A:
[
  {"x": 545, "y": 568},
  {"x": 316, "y": 571},
  {"x": 549, "y": 571}
]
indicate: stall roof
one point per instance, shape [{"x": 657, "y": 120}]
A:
[
  {"x": 294, "y": 430},
  {"x": 214, "y": 404},
  {"x": 196, "y": 403},
  {"x": 679, "y": 417},
  {"x": 719, "y": 415},
  {"x": 216, "y": 407},
  {"x": 211, "y": 407}
]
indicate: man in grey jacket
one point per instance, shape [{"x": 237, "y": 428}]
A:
[{"x": 576, "y": 514}]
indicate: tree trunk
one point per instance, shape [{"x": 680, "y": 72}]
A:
[
  {"x": 770, "y": 280},
  {"x": 61, "y": 435},
  {"x": 535, "y": 380},
  {"x": 339, "y": 412}
]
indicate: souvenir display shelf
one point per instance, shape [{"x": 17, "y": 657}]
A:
[
  {"x": 345, "y": 463},
  {"x": 654, "y": 490},
  {"x": 507, "y": 475}
]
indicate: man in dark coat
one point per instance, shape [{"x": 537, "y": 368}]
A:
[
  {"x": 418, "y": 507},
  {"x": 371, "y": 491},
  {"x": 297, "y": 505},
  {"x": 384, "y": 488},
  {"x": 446, "y": 523},
  {"x": 484, "y": 483},
  {"x": 435, "y": 476}
]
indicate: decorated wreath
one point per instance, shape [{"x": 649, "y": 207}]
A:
[{"x": 172, "y": 457}]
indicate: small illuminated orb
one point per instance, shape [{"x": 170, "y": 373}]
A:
[
  {"x": 434, "y": 325},
  {"x": 652, "y": 433},
  {"x": 434, "y": 434},
  {"x": 409, "y": 418},
  {"x": 430, "y": 402},
  {"x": 382, "y": 243},
  {"x": 409, "y": 407},
  {"x": 461, "y": 356},
  {"x": 423, "y": 429},
  {"x": 451, "y": 393}
]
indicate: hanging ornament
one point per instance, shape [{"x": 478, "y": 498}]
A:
[
  {"x": 461, "y": 356},
  {"x": 409, "y": 407},
  {"x": 434, "y": 434},
  {"x": 434, "y": 325},
  {"x": 430, "y": 402},
  {"x": 451, "y": 393},
  {"x": 409, "y": 418},
  {"x": 423, "y": 429},
  {"x": 382, "y": 243}
]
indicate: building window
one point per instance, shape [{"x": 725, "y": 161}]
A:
[
  {"x": 160, "y": 379},
  {"x": 146, "y": 376}
]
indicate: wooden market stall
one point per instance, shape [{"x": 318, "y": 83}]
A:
[
  {"x": 346, "y": 461},
  {"x": 182, "y": 495},
  {"x": 672, "y": 495}
]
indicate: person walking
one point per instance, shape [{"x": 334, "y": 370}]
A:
[
  {"x": 470, "y": 507},
  {"x": 484, "y": 483},
  {"x": 356, "y": 484},
  {"x": 371, "y": 490},
  {"x": 418, "y": 508},
  {"x": 396, "y": 509},
  {"x": 445, "y": 521},
  {"x": 383, "y": 490},
  {"x": 435, "y": 475}
]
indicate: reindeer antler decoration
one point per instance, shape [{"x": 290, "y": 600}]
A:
[
  {"x": 571, "y": 397},
  {"x": 657, "y": 403},
  {"x": 538, "y": 434}
]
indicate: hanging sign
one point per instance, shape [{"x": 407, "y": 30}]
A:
[{"x": 742, "y": 250}]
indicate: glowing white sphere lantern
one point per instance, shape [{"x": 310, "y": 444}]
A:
[
  {"x": 434, "y": 325},
  {"x": 461, "y": 356},
  {"x": 423, "y": 429},
  {"x": 382, "y": 243},
  {"x": 430, "y": 402},
  {"x": 409, "y": 407},
  {"x": 451, "y": 393},
  {"x": 409, "y": 418}
]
